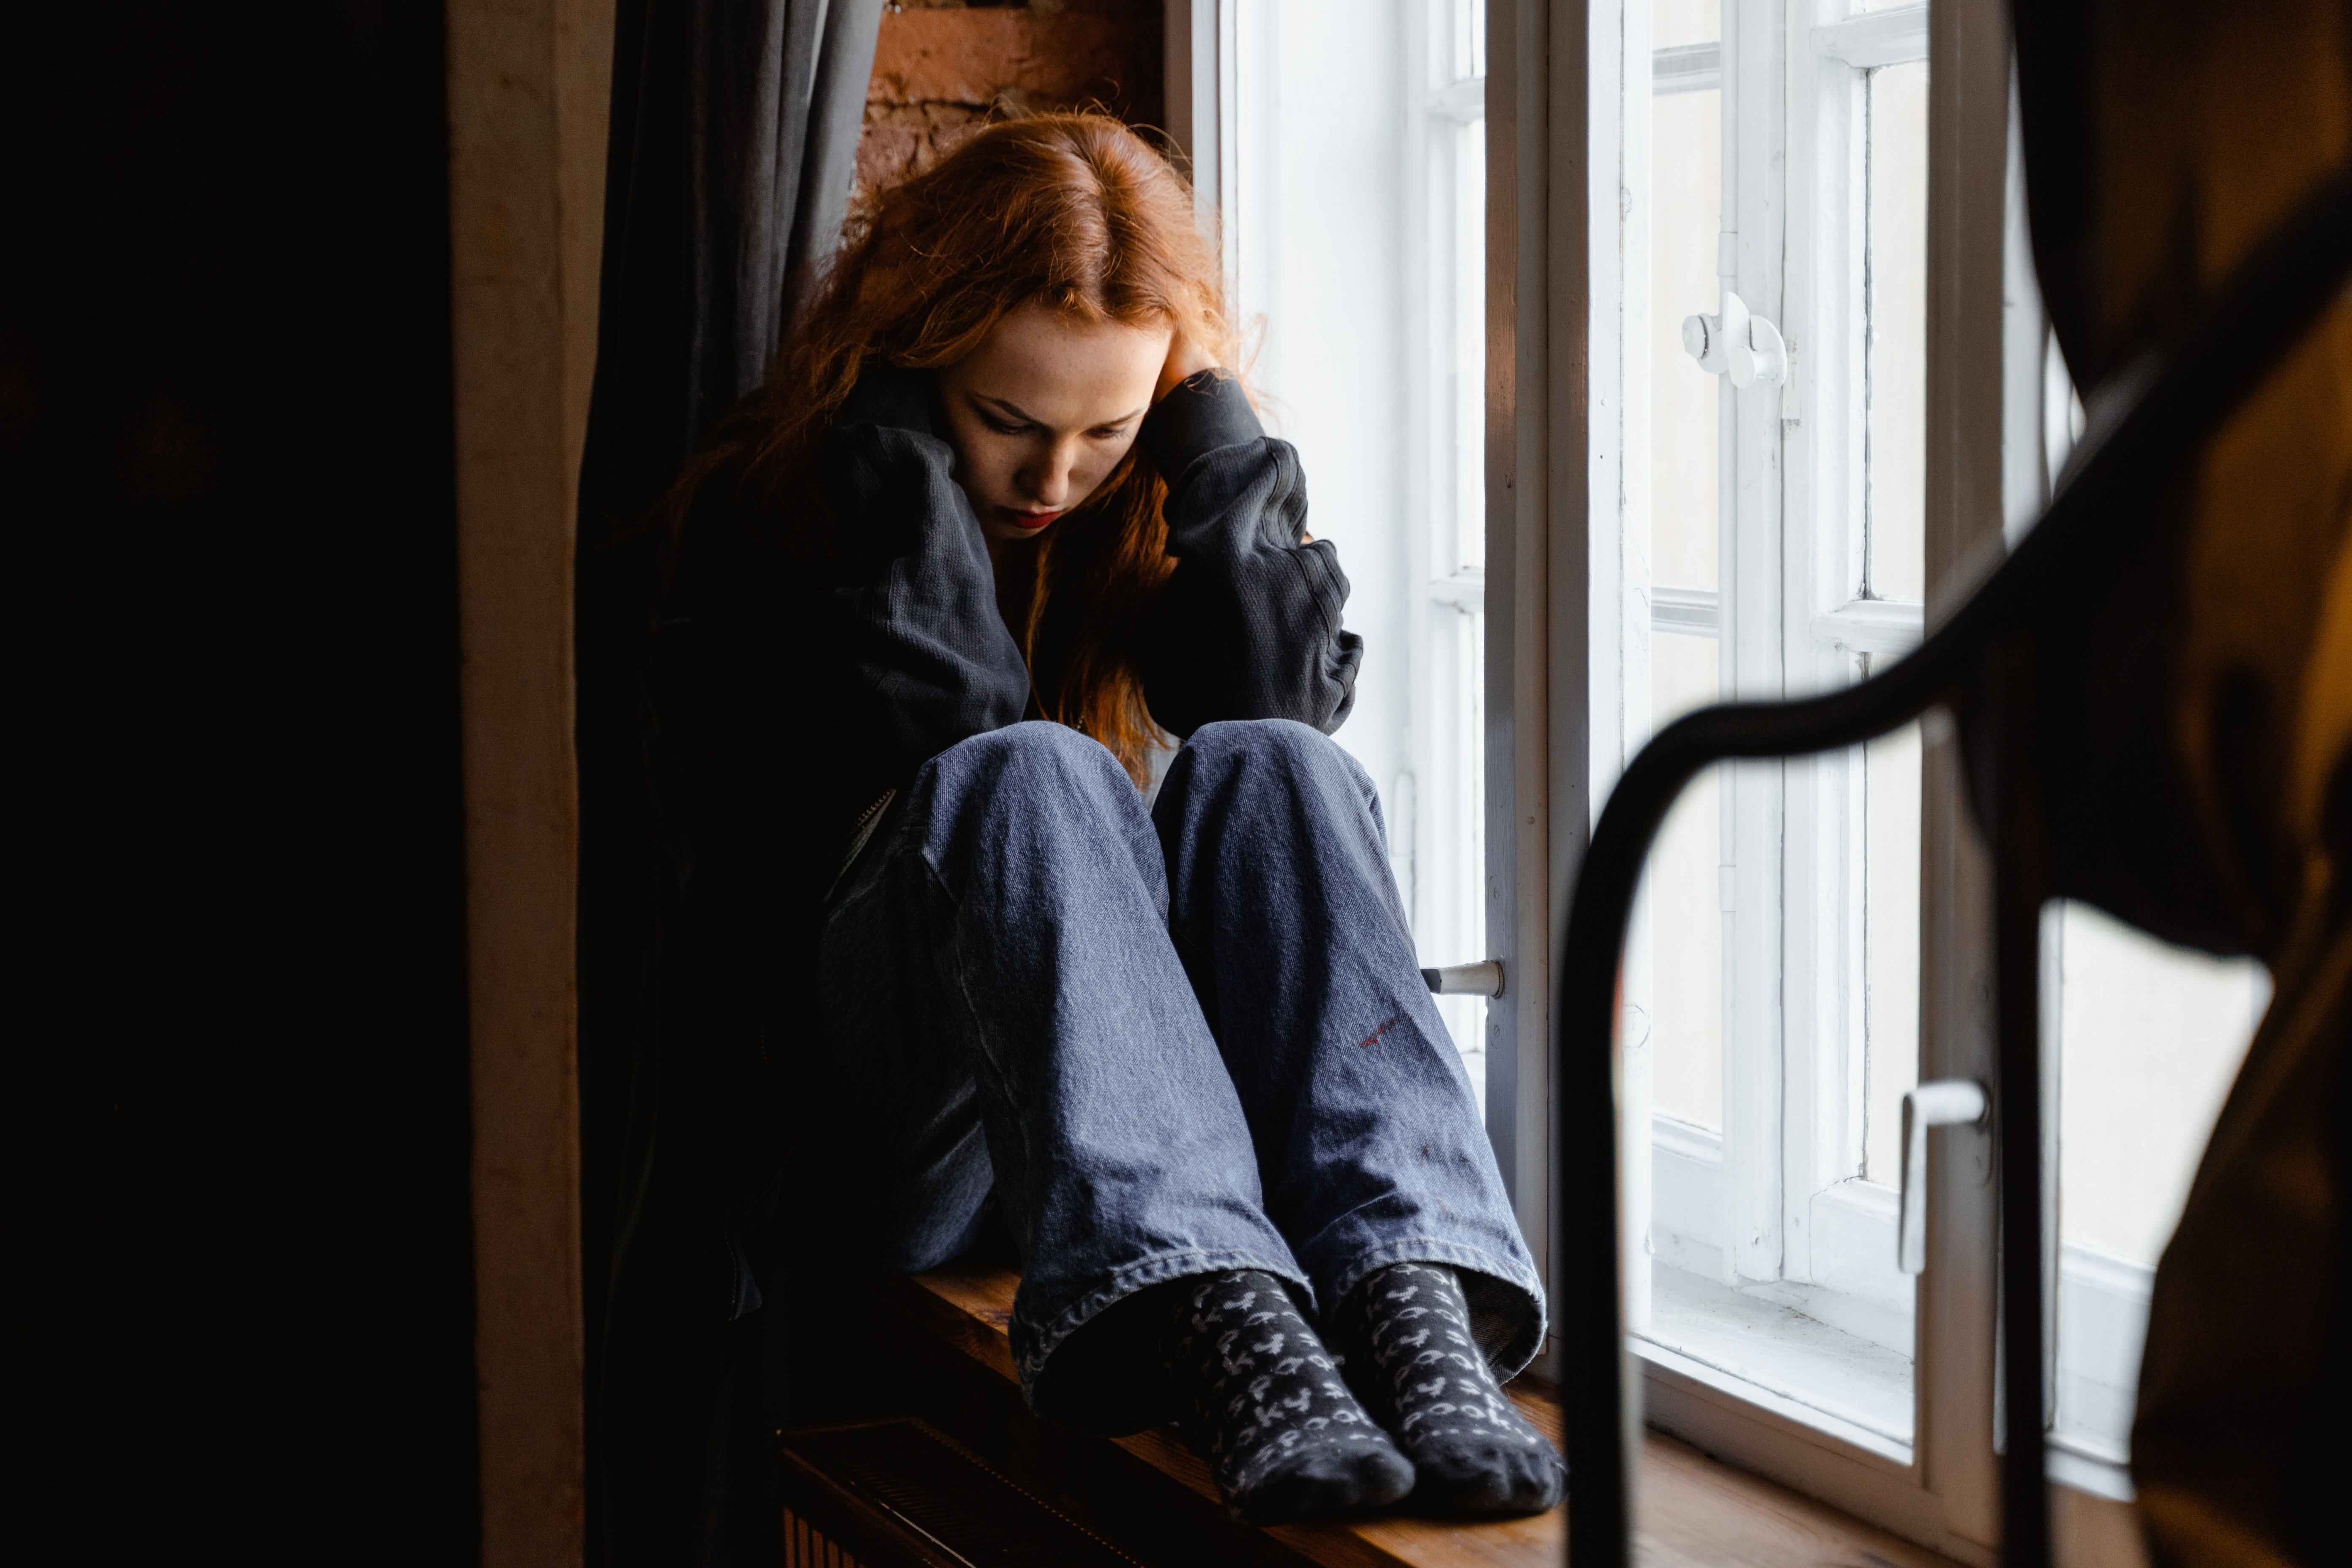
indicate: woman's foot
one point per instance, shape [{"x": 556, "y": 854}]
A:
[
  {"x": 1406, "y": 1333},
  {"x": 1265, "y": 1405}
]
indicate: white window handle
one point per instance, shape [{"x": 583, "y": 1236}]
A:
[
  {"x": 1466, "y": 979},
  {"x": 1946, "y": 1102},
  {"x": 1744, "y": 347}
]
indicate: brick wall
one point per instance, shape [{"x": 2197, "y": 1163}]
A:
[{"x": 942, "y": 67}]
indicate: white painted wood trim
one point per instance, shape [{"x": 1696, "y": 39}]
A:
[
  {"x": 1833, "y": 1431},
  {"x": 1871, "y": 625},
  {"x": 1464, "y": 590},
  {"x": 1686, "y": 68},
  {"x": 2088, "y": 1473},
  {"x": 1853, "y": 1249},
  {"x": 1460, "y": 102},
  {"x": 1691, "y": 611},
  {"x": 1750, "y": 647},
  {"x": 1681, "y": 1141},
  {"x": 1872, "y": 38}
]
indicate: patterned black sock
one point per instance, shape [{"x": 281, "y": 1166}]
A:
[
  {"x": 1265, "y": 1405},
  {"x": 1406, "y": 1334}
]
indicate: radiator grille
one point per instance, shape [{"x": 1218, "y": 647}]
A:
[
  {"x": 805, "y": 1546},
  {"x": 899, "y": 1494}
]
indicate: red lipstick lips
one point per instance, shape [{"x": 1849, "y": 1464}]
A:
[{"x": 1028, "y": 519}]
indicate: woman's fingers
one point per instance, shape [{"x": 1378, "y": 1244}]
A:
[{"x": 1185, "y": 359}]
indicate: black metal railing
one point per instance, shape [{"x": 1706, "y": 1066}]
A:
[{"x": 2147, "y": 416}]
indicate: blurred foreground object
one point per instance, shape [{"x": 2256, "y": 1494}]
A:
[
  {"x": 2154, "y": 692},
  {"x": 2193, "y": 732}
]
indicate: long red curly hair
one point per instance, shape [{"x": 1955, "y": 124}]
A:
[{"x": 1073, "y": 211}]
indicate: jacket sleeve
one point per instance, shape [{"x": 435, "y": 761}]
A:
[
  {"x": 1248, "y": 624},
  {"x": 918, "y": 654}
]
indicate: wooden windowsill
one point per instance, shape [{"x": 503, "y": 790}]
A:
[{"x": 1690, "y": 1511}]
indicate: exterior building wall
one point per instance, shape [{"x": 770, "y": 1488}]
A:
[{"x": 943, "y": 66}]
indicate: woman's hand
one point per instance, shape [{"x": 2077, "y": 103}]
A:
[{"x": 1185, "y": 359}]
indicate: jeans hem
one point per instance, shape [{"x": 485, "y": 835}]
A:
[
  {"x": 1126, "y": 1282},
  {"x": 1517, "y": 1343}
]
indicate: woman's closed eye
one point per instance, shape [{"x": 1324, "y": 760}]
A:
[{"x": 1012, "y": 427}]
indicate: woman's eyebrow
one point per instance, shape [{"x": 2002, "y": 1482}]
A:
[
  {"x": 1014, "y": 411},
  {"x": 1009, "y": 410}
]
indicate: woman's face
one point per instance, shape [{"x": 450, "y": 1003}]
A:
[{"x": 1043, "y": 411}]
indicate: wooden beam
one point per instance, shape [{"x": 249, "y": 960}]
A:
[{"x": 528, "y": 90}]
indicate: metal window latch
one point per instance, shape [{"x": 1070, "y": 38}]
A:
[
  {"x": 1744, "y": 347},
  {"x": 1944, "y": 1102},
  {"x": 1466, "y": 979}
]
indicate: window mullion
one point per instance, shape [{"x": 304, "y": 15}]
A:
[
  {"x": 1968, "y": 143},
  {"x": 1753, "y": 806}
]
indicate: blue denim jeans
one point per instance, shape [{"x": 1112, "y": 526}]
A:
[{"x": 1172, "y": 1043}]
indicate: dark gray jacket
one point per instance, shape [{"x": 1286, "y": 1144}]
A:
[
  {"x": 791, "y": 690},
  {"x": 919, "y": 657}
]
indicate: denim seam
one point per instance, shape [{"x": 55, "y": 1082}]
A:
[
  {"x": 1157, "y": 1269},
  {"x": 982, "y": 1047}
]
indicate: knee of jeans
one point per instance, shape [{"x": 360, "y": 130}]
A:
[
  {"x": 1285, "y": 743},
  {"x": 1030, "y": 759}
]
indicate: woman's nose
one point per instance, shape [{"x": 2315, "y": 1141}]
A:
[{"x": 1051, "y": 478}]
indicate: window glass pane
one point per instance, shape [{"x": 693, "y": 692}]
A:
[
  {"x": 1446, "y": 892},
  {"x": 1774, "y": 1275},
  {"x": 1469, "y": 344},
  {"x": 1449, "y": 909},
  {"x": 1895, "y": 299},
  {"x": 1890, "y": 946},
  {"x": 1679, "y": 22},
  {"x": 1356, "y": 214},
  {"x": 1686, "y": 161},
  {"x": 1686, "y": 963},
  {"x": 2150, "y": 1038}
]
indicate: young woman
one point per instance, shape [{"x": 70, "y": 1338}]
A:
[{"x": 1001, "y": 519}]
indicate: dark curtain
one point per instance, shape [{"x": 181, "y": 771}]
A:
[
  {"x": 734, "y": 133},
  {"x": 2178, "y": 696}
]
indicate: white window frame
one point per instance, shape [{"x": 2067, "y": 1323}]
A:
[
  {"x": 1238, "y": 96},
  {"x": 1776, "y": 1204},
  {"x": 1789, "y": 1131},
  {"x": 1445, "y": 94},
  {"x": 1568, "y": 613},
  {"x": 1776, "y": 1200}
]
